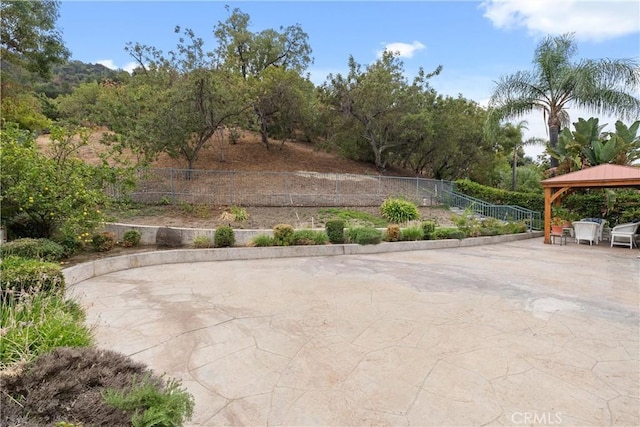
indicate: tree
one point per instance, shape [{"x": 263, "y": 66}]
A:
[
  {"x": 376, "y": 99},
  {"x": 29, "y": 37},
  {"x": 49, "y": 196},
  {"x": 174, "y": 103},
  {"x": 249, "y": 54},
  {"x": 601, "y": 86}
]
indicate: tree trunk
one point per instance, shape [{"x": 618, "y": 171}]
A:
[{"x": 554, "y": 130}]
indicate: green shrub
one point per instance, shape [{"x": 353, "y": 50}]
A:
[
  {"x": 428, "y": 228},
  {"x": 283, "y": 235},
  {"x": 310, "y": 237},
  {"x": 103, "y": 242},
  {"x": 153, "y": 404},
  {"x": 239, "y": 214},
  {"x": 399, "y": 211},
  {"x": 335, "y": 230},
  {"x": 131, "y": 238},
  {"x": 28, "y": 276},
  {"x": 393, "y": 233},
  {"x": 364, "y": 235},
  {"x": 262, "y": 240},
  {"x": 224, "y": 237},
  {"x": 40, "y": 249},
  {"x": 468, "y": 224},
  {"x": 491, "y": 231},
  {"x": 36, "y": 323},
  {"x": 202, "y": 242},
  {"x": 412, "y": 233},
  {"x": 448, "y": 233}
]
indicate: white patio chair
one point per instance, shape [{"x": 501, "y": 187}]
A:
[
  {"x": 586, "y": 230},
  {"x": 622, "y": 235},
  {"x": 601, "y": 224}
]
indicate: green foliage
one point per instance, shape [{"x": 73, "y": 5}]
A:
[
  {"x": 283, "y": 235},
  {"x": 46, "y": 197},
  {"x": 393, "y": 233},
  {"x": 309, "y": 237},
  {"x": 611, "y": 205},
  {"x": 448, "y": 233},
  {"x": 364, "y": 235},
  {"x": 30, "y": 38},
  {"x": 40, "y": 249},
  {"x": 262, "y": 240},
  {"x": 428, "y": 228},
  {"x": 224, "y": 236},
  {"x": 29, "y": 276},
  {"x": 412, "y": 233},
  {"x": 399, "y": 210},
  {"x": 335, "y": 230},
  {"x": 202, "y": 242},
  {"x": 103, "y": 242},
  {"x": 533, "y": 201},
  {"x": 38, "y": 322},
  {"x": 153, "y": 404},
  {"x": 131, "y": 238},
  {"x": 239, "y": 213},
  {"x": 354, "y": 218}
]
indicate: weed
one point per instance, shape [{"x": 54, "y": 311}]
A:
[{"x": 202, "y": 242}]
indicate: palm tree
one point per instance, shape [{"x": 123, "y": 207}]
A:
[{"x": 600, "y": 86}]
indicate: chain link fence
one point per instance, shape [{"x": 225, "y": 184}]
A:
[{"x": 246, "y": 188}]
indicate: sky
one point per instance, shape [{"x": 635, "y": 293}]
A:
[{"x": 476, "y": 42}]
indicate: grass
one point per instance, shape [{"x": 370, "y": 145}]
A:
[{"x": 36, "y": 323}]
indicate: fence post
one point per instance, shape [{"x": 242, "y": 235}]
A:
[
  {"x": 173, "y": 186},
  {"x": 231, "y": 192},
  {"x": 336, "y": 196}
]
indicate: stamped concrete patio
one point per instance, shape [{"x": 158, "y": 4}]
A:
[{"x": 517, "y": 333}]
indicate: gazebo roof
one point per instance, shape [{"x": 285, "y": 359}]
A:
[{"x": 605, "y": 175}]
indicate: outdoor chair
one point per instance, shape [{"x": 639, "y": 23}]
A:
[
  {"x": 586, "y": 230},
  {"x": 623, "y": 234},
  {"x": 601, "y": 224}
]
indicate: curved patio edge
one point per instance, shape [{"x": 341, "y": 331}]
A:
[{"x": 88, "y": 270}]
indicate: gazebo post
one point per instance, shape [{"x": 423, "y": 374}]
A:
[{"x": 547, "y": 215}]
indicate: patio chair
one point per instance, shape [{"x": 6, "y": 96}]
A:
[
  {"x": 623, "y": 234},
  {"x": 586, "y": 230},
  {"x": 601, "y": 224}
]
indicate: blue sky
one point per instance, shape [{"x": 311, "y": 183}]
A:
[{"x": 476, "y": 42}]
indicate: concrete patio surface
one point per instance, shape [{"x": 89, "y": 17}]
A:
[{"x": 516, "y": 333}]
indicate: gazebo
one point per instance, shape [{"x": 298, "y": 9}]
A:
[{"x": 601, "y": 176}]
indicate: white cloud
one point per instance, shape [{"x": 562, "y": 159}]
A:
[
  {"x": 107, "y": 63},
  {"x": 405, "y": 50},
  {"x": 589, "y": 20},
  {"x": 128, "y": 67}
]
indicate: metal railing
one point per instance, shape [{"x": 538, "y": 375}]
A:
[
  {"x": 533, "y": 219},
  {"x": 249, "y": 188}
]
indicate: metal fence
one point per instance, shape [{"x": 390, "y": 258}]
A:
[
  {"x": 246, "y": 188},
  {"x": 480, "y": 207}
]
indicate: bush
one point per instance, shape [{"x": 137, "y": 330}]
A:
[
  {"x": 364, "y": 235},
  {"x": 428, "y": 228},
  {"x": 36, "y": 323},
  {"x": 114, "y": 391},
  {"x": 309, "y": 237},
  {"x": 283, "y": 235},
  {"x": 152, "y": 402},
  {"x": 40, "y": 249},
  {"x": 28, "y": 276},
  {"x": 335, "y": 230},
  {"x": 448, "y": 233},
  {"x": 202, "y": 242},
  {"x": 131, "y": 238},
  {"x": 262, "y": 240},
  {"x": 399, "y": 210},
  {"x": 224, "y": 237},
  {"x": 393, "y": 233},
  {"x": 412, "y": 233},
  {"x": 103, "y": 242}
]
